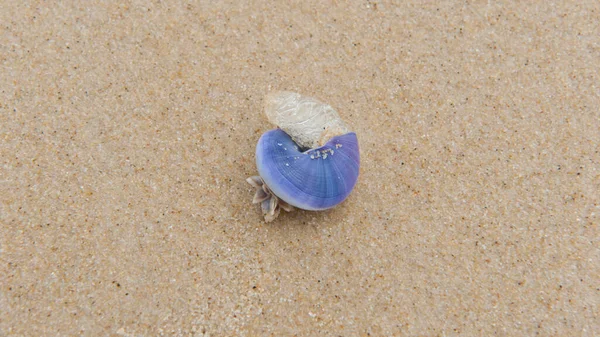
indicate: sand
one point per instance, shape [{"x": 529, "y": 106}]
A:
[{"x": 127, "y": 131}]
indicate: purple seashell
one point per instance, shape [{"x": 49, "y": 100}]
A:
[
  {"x": 311, "y": 161},
  {"x": 315, "y": 179}
]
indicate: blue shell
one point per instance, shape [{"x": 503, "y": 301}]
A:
[{"x": 315, "y": 179}]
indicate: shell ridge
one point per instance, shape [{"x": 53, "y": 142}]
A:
[
  {"x": 285, "y": 171},
  {"x": 304, "y": 188},
  {"x": 344, "y": 152},
  {"x": 300, "y": 184},
  {"x": 338, "y": 173}
]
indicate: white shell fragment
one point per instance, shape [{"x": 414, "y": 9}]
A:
[{"x": 309, "y": 122}]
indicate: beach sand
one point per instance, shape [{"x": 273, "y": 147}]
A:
[{"x": 127, "y": 132}]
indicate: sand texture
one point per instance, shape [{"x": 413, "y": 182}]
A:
[{"x": 127, "y": 130}]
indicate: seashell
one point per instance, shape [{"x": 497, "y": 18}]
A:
[{"x": 310, "y": 162}]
